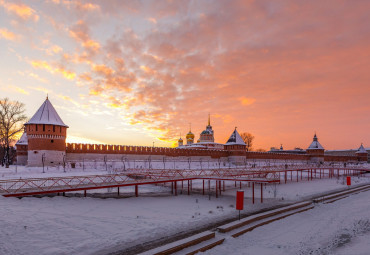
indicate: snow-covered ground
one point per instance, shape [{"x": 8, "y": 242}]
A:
[
  {"x": 72, "y": 225},
  {"x": 342, "y": 227}
]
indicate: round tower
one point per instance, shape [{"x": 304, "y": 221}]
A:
[{"x": 46, "y": 133}]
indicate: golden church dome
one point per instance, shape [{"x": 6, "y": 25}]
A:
[{"x": 190, "y": 135}]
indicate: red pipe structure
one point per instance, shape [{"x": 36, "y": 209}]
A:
[{"x": 35, "y": 186}]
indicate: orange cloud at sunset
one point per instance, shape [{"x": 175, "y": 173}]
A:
[
  {"x": 247, "y": 101},
  {"x": 6, "y": 34},
  {"x": 21, "y": 10},
  {"x": 44, "y": 65},
  {"x": 277, "y": 69}
]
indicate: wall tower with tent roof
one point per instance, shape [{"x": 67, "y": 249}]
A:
[{"x": 46, "y": 134}]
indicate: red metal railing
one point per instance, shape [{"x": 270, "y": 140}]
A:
[{"x": 132, "y": 177}]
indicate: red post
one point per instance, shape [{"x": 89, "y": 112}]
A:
[
  {"x": 348, "y": 180},
  {"x": 203, "y": 187},
  {"x": 253, "y": 192},
  {"x": 285, "y": 177},
  {"x": 136, "y": 190},
  {"x": 188, "y": 187},
  {"x": 261, "y": 193},
  {"x": 239, "y": 199},
  {"x": 175, "y": 188},
  {"x": 216, "y": 189}
]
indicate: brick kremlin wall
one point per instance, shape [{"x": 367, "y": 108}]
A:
[
  {"x": 277, "y": 156},
  {"x": 142, "y": 150},
  {"x": 342, "y": 158},
  {"x": 77, "y": 148}
]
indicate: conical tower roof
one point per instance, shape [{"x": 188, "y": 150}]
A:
[
  {"x": 47, "y": 114},
  {"x": 235, "y": 139},
  {"x": 361, "y": 149},
  {"x": 23, "y": 140},
  {"x": 315, "y": 144}
]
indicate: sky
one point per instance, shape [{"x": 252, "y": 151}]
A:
[{"x": 138, "y": 72}]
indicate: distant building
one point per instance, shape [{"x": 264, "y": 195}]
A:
[{"x": 206, "y": 139}]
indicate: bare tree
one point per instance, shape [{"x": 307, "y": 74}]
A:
[
  {"x": 12, "y": 118},
  {"x": 248, "y": 139}
]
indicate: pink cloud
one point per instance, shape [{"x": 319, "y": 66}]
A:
[{"x": 266, "y": 67}]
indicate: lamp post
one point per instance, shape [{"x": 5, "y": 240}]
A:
[
  {"x": 64, "y": 163},
  {"x": 43, "y": 162}
]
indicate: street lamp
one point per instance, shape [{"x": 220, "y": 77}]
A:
[{"x": 43, "y": 162}]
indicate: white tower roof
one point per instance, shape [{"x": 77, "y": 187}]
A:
[
  {"x": 361, "y": 149},
  {"x": 47, "y": 114},
  {"x": 23, "y": 140},
  {"x": 235, "y": 139},
  {"x": 315, "y": 144}
]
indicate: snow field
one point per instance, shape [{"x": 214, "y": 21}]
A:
[
  {"x": 71, "y": 225},
  {"x": 342, "y": 227}
]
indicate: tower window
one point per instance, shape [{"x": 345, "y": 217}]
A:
[
  {"x": 52, "y": 141},
  {"x": 60, "y": 129},
  {"x": 43, "y": 127},
  {"x": 36, "y": 127},
  {"x": 53, "y": 128}
]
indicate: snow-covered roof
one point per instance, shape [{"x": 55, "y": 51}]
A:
[
  {"x": 47, "y": 114},
  {"x": 235, "y": 139},
  {"x": 315, "y": 144},
  {"x": 361, "y": 149},
  {"x": 23, "y": 140}
]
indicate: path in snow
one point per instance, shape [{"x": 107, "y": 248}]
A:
[{"x": 342, "y": 227}]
